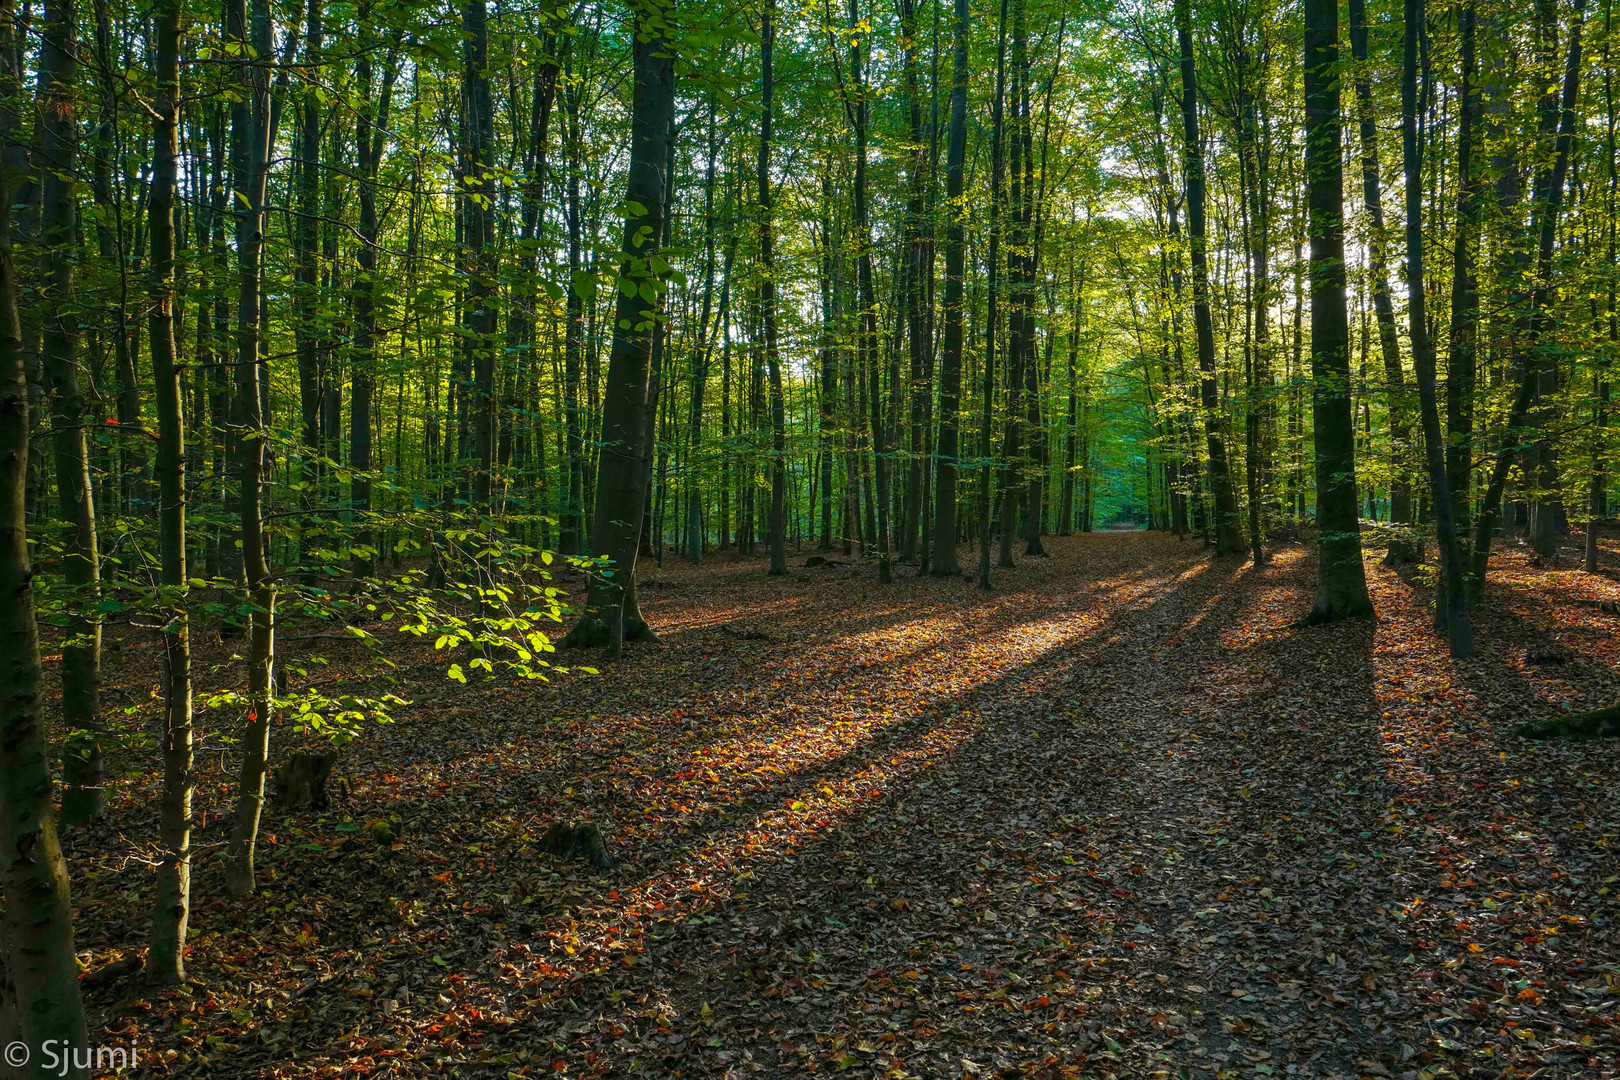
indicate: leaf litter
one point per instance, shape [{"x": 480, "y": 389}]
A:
[{"x": 1118, "y": 817}]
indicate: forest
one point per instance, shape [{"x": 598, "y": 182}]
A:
[{"x": 944, "y": 538}]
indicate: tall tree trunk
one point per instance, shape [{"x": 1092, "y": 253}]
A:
[
  {"x": 1597, "y": 506},
  {"x": 172, "y": 910},
  {"x": 83, "y": 772},
  {"x": 827, "y": 427},
  {"x": 1228, "y": 534},
  {"x": 1341, "y": 576},
  {"x": 1451, "y": 609},
  {"x": 993, "y": 258},
  {"x": 1549, "y": 204},
  {"x": 1462, "y": 361},
  {"x": 573, "y": 518},
  {"x": 36, "y": 920},
  {"x": 1401, "y": 549},
  {"x": 767, "y": 300},
  {"x": 945, "y": 563},
  {"x": 478, "y": 240},
  {"x": 702, "y": 351},
  {"x": 306, "y": 274},
  {"x": 250, "y": 151},
  {"x": 916, "y": 284},
  {"x": 612, "y": 615},
  {"x": 868, "y": 333},
  {"x": 370, "y": 133}
]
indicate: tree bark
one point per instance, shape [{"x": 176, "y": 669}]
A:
[
  {"x": 1549, "y": 203},
  {"x": 171, "y": 912},
  {"x": 1341, "y": 576},
  {"x": 1401, "y": 549},
  {"x": 612, "y": 615},
  {"x": 945, "y": 562},
  {"x": 1451, "y": 608},
  {"x": 83, "y": 772},
  {"x": 250, "y": 150},
  {"x": 36, "y": 919},
  {"x": 1228, "y": 534},
  {"x": 767, "y": 300}
]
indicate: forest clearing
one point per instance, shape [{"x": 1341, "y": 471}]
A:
[{"x": 1118, "y": 817}]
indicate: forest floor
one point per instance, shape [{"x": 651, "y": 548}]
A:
[{"x": 1116, "y": 817}]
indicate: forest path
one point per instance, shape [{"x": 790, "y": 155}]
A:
[{"x": 1116, "y": 816}]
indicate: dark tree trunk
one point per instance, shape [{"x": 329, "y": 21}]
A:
[
  {"x": 945, "y": 563},
  {"x": 36, "y": 921},
  {"x": 612, "y": 615},
  {"x": 1536, "y": 362},
  {"x": 767, "y": 301},
  {"x": 172, "y": 909},
  {"x": 1341, "y": 576},
  {"x": 1401, "y": 549},
  {"x": 1228, "y": 534},
  {"x": 82, "y": 769},
  {"x": 1451, "y": 608},
  {"x": 250, "y": 151}
]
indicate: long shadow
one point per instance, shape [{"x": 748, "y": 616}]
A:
[{"x": 1106, "y": 741}]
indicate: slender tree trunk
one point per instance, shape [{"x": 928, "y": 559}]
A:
[
  {"x": 83, "y": 772},
  {"x": 371, "y": 125},
  {"x": 993, "y": 257},
  {"x": 767, "y": 301},
  {"x": 1549, "y": 204},
  {"x": 478, "y": 239},
  {"x": 1401, "y": 549},
  {"x": 945, "y": 562},
  {"x": 1462, "y": 361},
  {"x": 36, "y": 919},
  {"x": 1341, "y": 576},
  {"x": 1597, "y": 507},
  {"x": 1451, "y": 609},
  {"x": 868, "y": 333},
  {"x": 306, "y": 274},
  {"x": 916, "y": 284},
  {"x": 250, "y": 150},
  {"x": 171, "y": 913},
  {"x": 1228, "y": 534}
]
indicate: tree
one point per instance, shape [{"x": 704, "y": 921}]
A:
[
  {"x": 36, "y": 949},
  {"x": 612, "y": 615},
  {"x": 172, "y": 909},
  {"x": 1341, "y": 577},
  {"x": 1228, "y": 535},
  {"x": 1401, "y": 549},
  {"x": 944, "y": 563},
  {"x": 1451, "y": 611},
  {"x": 767, "y": 300},
  {"x": 82, "y": 767},
  {"x": 248, "y": 27}
]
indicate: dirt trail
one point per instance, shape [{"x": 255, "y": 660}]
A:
[{"x": 1116, "y": 817}]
